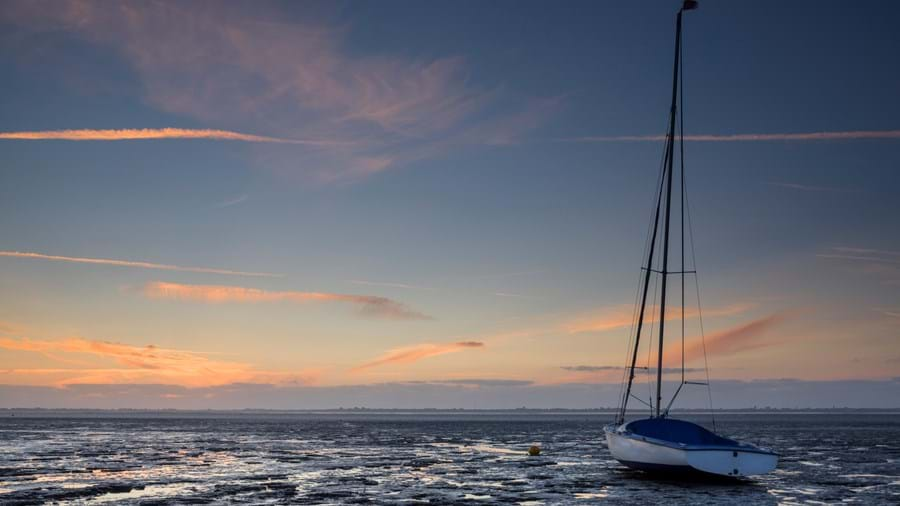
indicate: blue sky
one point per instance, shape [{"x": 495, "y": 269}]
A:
[{"x": 456, "y": 161}]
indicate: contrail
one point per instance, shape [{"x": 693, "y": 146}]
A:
[
  {"x": 155, "y": 133},
  {"x": 809, "y": 136},
  {"x": 128, "y": 263}
]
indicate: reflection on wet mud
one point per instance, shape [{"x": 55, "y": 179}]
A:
[{"x": 411, "y": 458}]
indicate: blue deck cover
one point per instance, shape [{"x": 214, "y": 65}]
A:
[{"x": 678, "y": 431}]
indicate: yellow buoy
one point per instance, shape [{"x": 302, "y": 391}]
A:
[{"x": 534, "y": 451}]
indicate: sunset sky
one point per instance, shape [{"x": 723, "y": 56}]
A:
[{"x": 421, "y": 204}]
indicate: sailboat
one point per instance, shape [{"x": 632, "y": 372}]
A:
[{"x": 661, "y": 443}]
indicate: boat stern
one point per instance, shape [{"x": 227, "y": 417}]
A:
[{"x": 736, "y": 463}]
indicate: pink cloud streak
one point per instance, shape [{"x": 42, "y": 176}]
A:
[
  {"x": 409, "y": 354},
  {"x": 743, "y": 337},
  {"x": 369, "y": 305},
  {"x": 623, "y": 316}
]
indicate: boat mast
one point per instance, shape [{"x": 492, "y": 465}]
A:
[
  {"x": 670, "y": 151},
  {"x": 667, "y": 181}
]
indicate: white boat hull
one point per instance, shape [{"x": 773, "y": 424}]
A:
[{"x": 647, "y": 454}]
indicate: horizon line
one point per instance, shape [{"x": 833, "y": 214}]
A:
[{"x": 603, "y": 409}]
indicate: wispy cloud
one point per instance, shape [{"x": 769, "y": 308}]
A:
[
  {"x": 862, "y": 255},
  {"x": 368, "y": 305},
  {"x": 513, "y": 295},
  {"x": 232, "y": 202},
  {"x": 606, "y": 319},
  {"x": 811, "y": 188},
  {"x": 807, "y": 136},
  {"x": 128, "y": 134},
  {"x": 9, "y": 328},
  {"x": 245, "y": 66},
  {"x": 607, "y": 373},
  {"x": 393, "y": 284},
  {"x": 868, "y": 251},
  {"x": 498, "y": 275},
  {"x": 474, "y": 382},
  {"x": 892, "y": 313},
  {"x": 602, "y": 320},
  {"x": 136, "y": 364},
  {"x": 591, "y": 368},
  {"x": 861, "y": 258},
  {"x": 604, "y": 368},
  {"x": 409, "y": 354},
  {"x": 620, "y": 316},
  {"x": 386, "y": 284},
  {"x": 881, "y": 264},
  {"x": 130, "y": 263},
  {"x": 743, "y": 337},
  {"x": 482, "y": 382}
]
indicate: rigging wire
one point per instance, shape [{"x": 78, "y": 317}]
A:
[
  {"x": 632, "y": 328},
  {"x": 631, "y": 332},
  {"x": 648, "y": 375},
  {"x": 699, "y": 309},
  {"x": 686, "y": 203}
]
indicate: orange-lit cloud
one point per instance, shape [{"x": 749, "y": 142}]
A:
[
  {"x": 743, "y": 337},
  {"x": 129, "y": 263},
  {"x": 126, "y": 134},
  {"x": 137, "y": 364},
  {"x": 367, "y": 304},
  {"x": 622, "y": 316},
  {"x": 604, "y": 368},
  {"x": 409, "y": 354},
  {"x": 808, "y": 136},
  {"x": 606, "y": 319},
  {"x": 746, "y": 336}
]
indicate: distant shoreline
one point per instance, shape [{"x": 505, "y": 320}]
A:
[{"x": 424, "y": 412}]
